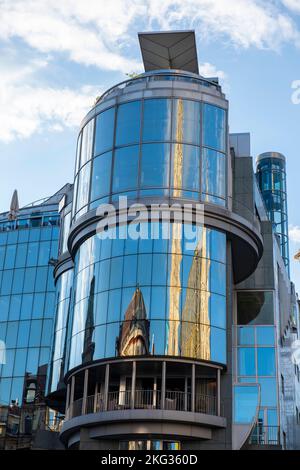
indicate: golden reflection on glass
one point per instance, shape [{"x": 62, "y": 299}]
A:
[
  {"x": 195, "y": 329},
  {"x": 177, "y": 166},
  {"x": 173, "y": 338},
  {"x": 133, "y": 339}
]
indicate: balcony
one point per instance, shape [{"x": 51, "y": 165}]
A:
[
  {"x": 264, "y": 436},
  {"x": 144, "y": 400},
  {"x": 173, "y": 399}
]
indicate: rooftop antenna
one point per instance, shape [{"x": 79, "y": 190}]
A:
[{"x": 14, "y": 206}]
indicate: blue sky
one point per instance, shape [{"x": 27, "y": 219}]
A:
[{"x": 56, "y": 57}]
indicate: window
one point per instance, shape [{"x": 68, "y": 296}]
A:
[
  {"x": 185, "y": 167},
  {"x": 255, "y": 307},
  {"x": 246, "y": 335},
  {"x": 213, "y": 174},
  {"x": 266, "y": 361},
  {"x": 186, "y": 121},
  {"x": 104, "y": 131},
  {"x": 128, "y": 123},
  {"x": 157, "y": 120},
  {"x": 101, "y": 176},
  {"x": 214, "y": 127},
  {"x": 246, "y": 361},
  {"x": 83, "y": 186},
  {"x": 125, "y": 168},
  {"x": 155, "y": 165},
  {"x": 87, "y": 142}
]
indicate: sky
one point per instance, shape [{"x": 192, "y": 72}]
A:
[{"x": 56, "y": 57}]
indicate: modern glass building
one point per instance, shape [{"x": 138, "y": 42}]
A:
[
  {"x": 28, "y": 252},
  {"x": 271, "y": 177},
  {"x": 144, "y": 306}
]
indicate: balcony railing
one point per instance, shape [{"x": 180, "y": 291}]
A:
[
  {"x": 144, "y": 399},
  {"x": 265, "y": 436}
]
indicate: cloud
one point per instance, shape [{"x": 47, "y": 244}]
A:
[
  {"x": 294, "y": 233},
  {"x": 26, "y": 108},
  {"x": 209, "y": 71},
  {"x": 99, "y": 33},
  {"x": 293, "y": 5}
]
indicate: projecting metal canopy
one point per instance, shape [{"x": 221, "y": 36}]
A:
[{"x": 169, "y": 50}]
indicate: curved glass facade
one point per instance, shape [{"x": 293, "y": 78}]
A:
[
  {"x": 27, "y": 298},
  {"x": 271, "y": 176},
  {"x": 152, "y": 296},
  {"x": 168, "y": 147},
  {"x": 63, "y": 295}
]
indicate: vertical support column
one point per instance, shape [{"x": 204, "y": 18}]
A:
[
  {"x": 96, "y": 398},
  {"x": 185, "y": 394},
  {"x": 133, "y": 381},
  {"x": 67, "y": 401},
  {"x": 85, "y": 391},
  {"x": 70, "y": 414},
  {"x": 193, "y": 385},
  {"x": 106, "y": 386},
  {"x": 154, "y": 403},
  {"x": 218, "y": 392},
  {"x": 163, "y": 386}
]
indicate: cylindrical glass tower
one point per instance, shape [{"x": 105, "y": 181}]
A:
[{"x": 271, "y": 176}]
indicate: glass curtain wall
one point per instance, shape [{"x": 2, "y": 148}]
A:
[
  {"x": 152, "y": 147},
  {"x": 150, "y": 296},
  {"x": 27, "y": 300}
]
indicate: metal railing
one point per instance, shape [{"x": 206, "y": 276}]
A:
[
  {"x": 265, "y": 436},
  {"x": 143, "y": 399}
]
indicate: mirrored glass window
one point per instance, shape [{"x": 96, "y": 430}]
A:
[
  {"x": 185, "y": 168},
  {"x": 214, "y": 122},
  {"x": 213, "y": 174},
  {"x": 125, "y": 168},
  {"x": 157, "y": 120},
  {"x": 128, "y": 123},
  {"x": 186, "y": 121},
  {"x": 155, "y": 165},
  {"x": 87, "y": 142},
  {"x": 100, "y": 184},
  {"x": 104, "y": 132}
]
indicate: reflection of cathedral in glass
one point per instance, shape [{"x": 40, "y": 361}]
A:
[
  {"x": 195, "y": 313},
  {"x": 134, "y": 330}
]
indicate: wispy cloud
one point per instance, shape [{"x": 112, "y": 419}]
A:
[
  {"x": 26, "y": 108},
  {"x": 103, "y": 34},
  {"x": 294, "y": 233},
  {"x": 293, "y": 5}
]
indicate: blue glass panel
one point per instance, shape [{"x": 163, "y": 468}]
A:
[
  {"x": 11, "y": 334},
  {"x": 114, "y": 305},
  {"x": 101, "y": 308},
  {"x": 18, "y": 281},
  {"x": 32, "y": 255},
  {"x": 158, "y": 303},
  {"x": 7, "y": 368},
  {"x": 214, "y": 122},
  {"x": 83, "y": 186},
  {"x": 38, "y": 306},
  {"x": 159, "y": 269},
  {"x": 125, "y": 168},
  {"x": 32, "y": 361},
  {"x": 218, "y": 278},
  {"x": 246, "y": 361},
  {"x": 10, "y": 257},
  {"x": 157, "y": 120},
  {"x": 128, "y": 123},
  {"x": 268, "y": 392},
  {"x": 20, "y": 362},
  {"x": 23, "y": 335},
  {"x": 35, "y": 333},
  {"x": 104, "y": 131},
  {"x": 4, "y": 307},
  {"x": 27, "y": 301},
  {"x": 21, "y": 256},
  {"x": 155, "y": 165},
  {"x": 186, "y": 121},
  {"x": 87, "y": 142},
  {"x": 266, "y": 361},
  {"x": 130, "y": 271},
  {"x": 218, "y": 345},
  {"x": 144, "y": 269},
  {"x": 245, "y": 335},
  {"x": 112, "y": 333},
  {"x": 213, "y": 173},
  {"x": 185, "y": 168},
  {"x": 5, "y": 385},
  {"x": 116, "y": 273},
  {"x": 17, "y": 389},
  {"x": 157, "y": 337},
  {"x": 217, "y": 308},
  {"x": 99, "y": 340},
  {"x": 15, "y": 307},
  {"x": 101, "y": 176},
  {"x": 265, "y": 335},
  {"x": 6, "y": 282},
  {"x": 44, "y": 253},
  {"x": 245, "y": 403},
  {"x": 2, "y": 256}
]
